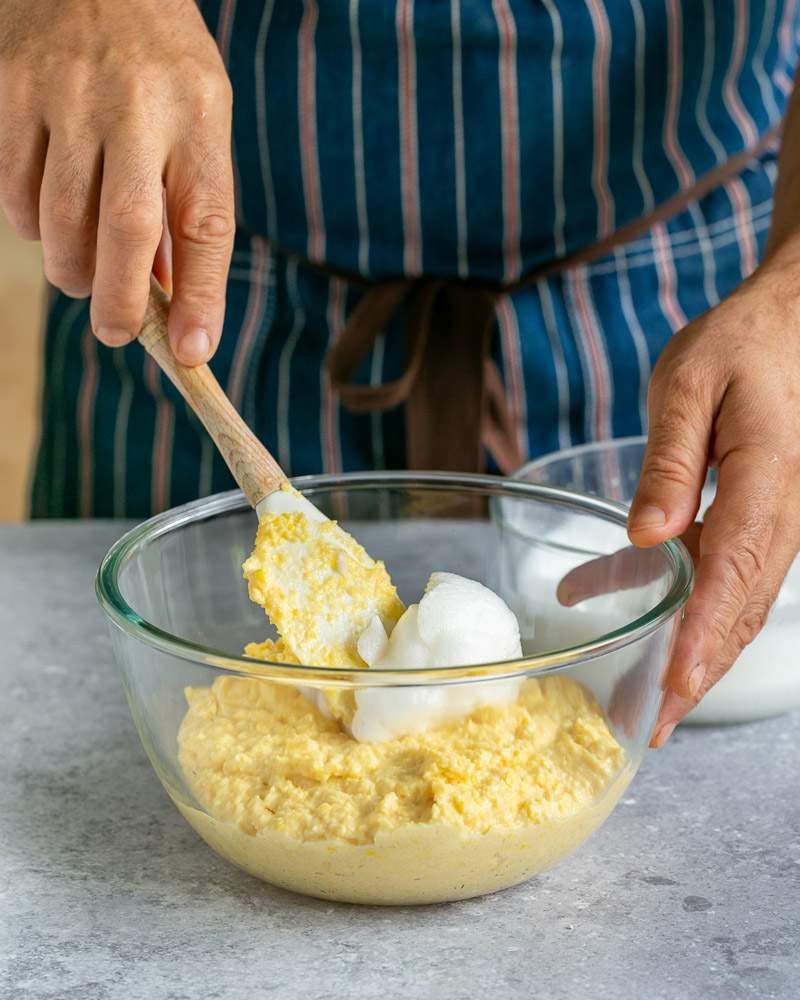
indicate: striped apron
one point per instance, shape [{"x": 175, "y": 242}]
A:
[{"x": 472, "y": 151}]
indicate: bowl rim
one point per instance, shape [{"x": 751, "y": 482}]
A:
[
  {"x": 132, "y": 624},
  {"x": 576, "y": 450}
]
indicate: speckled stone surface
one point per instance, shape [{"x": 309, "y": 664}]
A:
[{"x": 691, "y": 889}]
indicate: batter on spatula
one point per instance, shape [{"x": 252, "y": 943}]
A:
[{"x": 319, "y": 587}]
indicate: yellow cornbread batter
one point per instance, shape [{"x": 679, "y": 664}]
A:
[
  {"x": 319, "y": 587},
  {"x": 465, "y": 809}
]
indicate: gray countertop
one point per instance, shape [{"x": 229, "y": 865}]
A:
[{"x": 689, "y": 890}]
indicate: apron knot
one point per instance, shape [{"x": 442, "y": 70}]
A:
[{"x": 456, "y": 405}]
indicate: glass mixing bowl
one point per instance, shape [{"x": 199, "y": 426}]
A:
[
  {"x": 481, "y": 803},
  {"x": 764, "y": 681}
]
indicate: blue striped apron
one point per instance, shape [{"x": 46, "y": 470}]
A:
[{"x": 469, "y": 140}]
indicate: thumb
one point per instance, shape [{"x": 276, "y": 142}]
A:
[{"x": 675, "y": 463}]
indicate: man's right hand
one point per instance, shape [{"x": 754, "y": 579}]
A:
[{"x": 115, "y": 131}]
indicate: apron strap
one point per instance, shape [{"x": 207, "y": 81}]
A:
[{"x": 369, "y": 318}]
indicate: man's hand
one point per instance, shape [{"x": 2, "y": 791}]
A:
[
  {"x": 115, "y": 117},
  {"x": 726, "y": 392}
]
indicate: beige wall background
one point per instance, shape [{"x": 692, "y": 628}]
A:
[{"x": 21, "y": 298}]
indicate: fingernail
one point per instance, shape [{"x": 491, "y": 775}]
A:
[
  {"x": 194, "y": 347},
  {"x": 564, "y": 595},
  {"x": 113, "y": 338},
  {"x": 664, "y": 733},
  {"x": 695, "y": 679},
  {"x": 648, "y": 517}
]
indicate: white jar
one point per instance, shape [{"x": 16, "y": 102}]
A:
[{"x": 765, "y": 680}]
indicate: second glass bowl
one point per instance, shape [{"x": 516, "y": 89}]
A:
[{"x": 764, "y": 681}]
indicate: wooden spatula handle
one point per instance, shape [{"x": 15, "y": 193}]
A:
[{"x": 253, "y": 468}]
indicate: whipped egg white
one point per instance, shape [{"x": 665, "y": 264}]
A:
[{"x": 457, "y": 622}]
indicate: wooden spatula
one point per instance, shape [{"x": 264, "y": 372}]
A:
[{"x": 253, "y": 467}]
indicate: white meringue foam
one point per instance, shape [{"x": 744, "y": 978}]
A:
[{"x": 458, "y": 622}]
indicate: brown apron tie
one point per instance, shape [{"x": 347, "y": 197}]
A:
[{"x": 456, "y": 404}]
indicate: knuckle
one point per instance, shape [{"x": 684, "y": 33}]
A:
[
  {"x": 134, "y": 221},
  {"x": 138, "y": 92},
  {"x": 679, "y": 385},
  {"x": 743, "y": 566},
  {"x": 719, "y": 621},
  {"x": 198, "y": 303},
  {"x": 668, "y": 465},
  {"x": 672, "y": 423},
  {"x": 68, "y": 247},
  {"x": 683, "y": 379},
  {"x": 668, "y": 369},
  {"x": 752, "y": 620},
  {"x": 116, "y": 299},
  {"x": 670, "y": 405},
  {"x": 205, "y": 223},
  {"x": 213, "y": 87},
  {"x": 65, "y": 215},
  {"x": 754, "y": 531}
]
